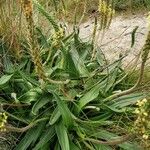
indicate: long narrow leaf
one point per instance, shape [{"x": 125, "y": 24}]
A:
[
  {"x": 62, "y": 135},
  {"x": 89, "y": 96},
  {"x": 4, "y": 79},
  {"x": 55, "y": 116},
  {"x": 31, "y": 136},
  {"x": 64, "y": 110},
  {"x": 45, "y": 138},
  {"x": 41, "y": 102}
]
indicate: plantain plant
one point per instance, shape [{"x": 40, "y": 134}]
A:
[{"x": 56, "y": 97}]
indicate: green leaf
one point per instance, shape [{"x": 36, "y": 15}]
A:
[
  {"x": 39, "y": 131},
  {"x": 43, "y": 39},
  {"x": 46, "y": 98},
  {"x": 68, "y": 38},
  {"x": 70, "y": 66},
  {"x": 111, "y": 79},
  {"x": 62, "y": 135},
  {"x": 103, "y": 134},
  {"x": 45, "y": 138},
  {"x": 79, "y": 63},
  {"x": 64, "y": 110},
  {"x": 115, "y": 109},
  {"x": 30, "y": 96},
  {"x": 73, "y": 146},
  {"x": 8, "y": 66},
  {"x": 55, "y": 116},
  {"x": 57, "y": 146},
  {"x": 89, "y": 96},
  {"x": 96, "y": 123},
  {"x": 127, "y": 100},
  {"x": 101, "y": 57},
  {"x": 102, "y": 147},
  {"x": 31, "y": 136},
  {"x": 26, "y": 77},
  {"x": 4, "y": 79},
  {"x": 45, "y": 147},
  {"x": 26, "y": 141},
  {"x": 130, "y": 146},
  {"x": 2, "y": 100}
]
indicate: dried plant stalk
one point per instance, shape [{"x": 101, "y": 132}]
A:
[
  {"x": 106, "y": 13},
  {"x": 34, "y": 52},
  {"x": 93, "y": 39}
]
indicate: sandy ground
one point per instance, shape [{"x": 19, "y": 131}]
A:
[{"x": 117, "y": 39}]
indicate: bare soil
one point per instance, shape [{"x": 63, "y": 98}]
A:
[{"x": 117, "y": 39}]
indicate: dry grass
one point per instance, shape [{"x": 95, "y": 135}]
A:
[
  {"x": 10, "y": 26},
  {"x": 92, "y": 6}
]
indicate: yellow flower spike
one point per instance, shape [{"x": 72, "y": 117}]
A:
[
  {"x": 54, "y": 37},
  {"x": 139, "y": 103},
  {"x": 137, "y": 111},
  {"x": 100, "y": 5},
  {"x": 141, "y": 124},
  {"x": 3, "y": 121},
  {"x": 2, "y": 125},
  {"x": 145, "y": 136},
  {"x": 136, "y": 122},
  {"x": 109, "y": 11},
  {"x": 144, "y": 100},
  {"x": 106, "y": 12},
  {"x": 104, "y": 9},
  {"x": 55, "y": 43},
  {"x": 143, "y": 119},
  {"x": 145, "y": 114},
  {"x": 57, "y": 37},
  {"x": 34, "y": 52},
  {"x": 143, "y": 130},
  {"x": 5, "y": 116},
  {"x": 60, "y": 33}
]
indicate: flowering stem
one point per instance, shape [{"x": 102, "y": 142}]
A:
[
  {"x": 23, "y": 129},
  {"x": 111, "y": 142}
]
